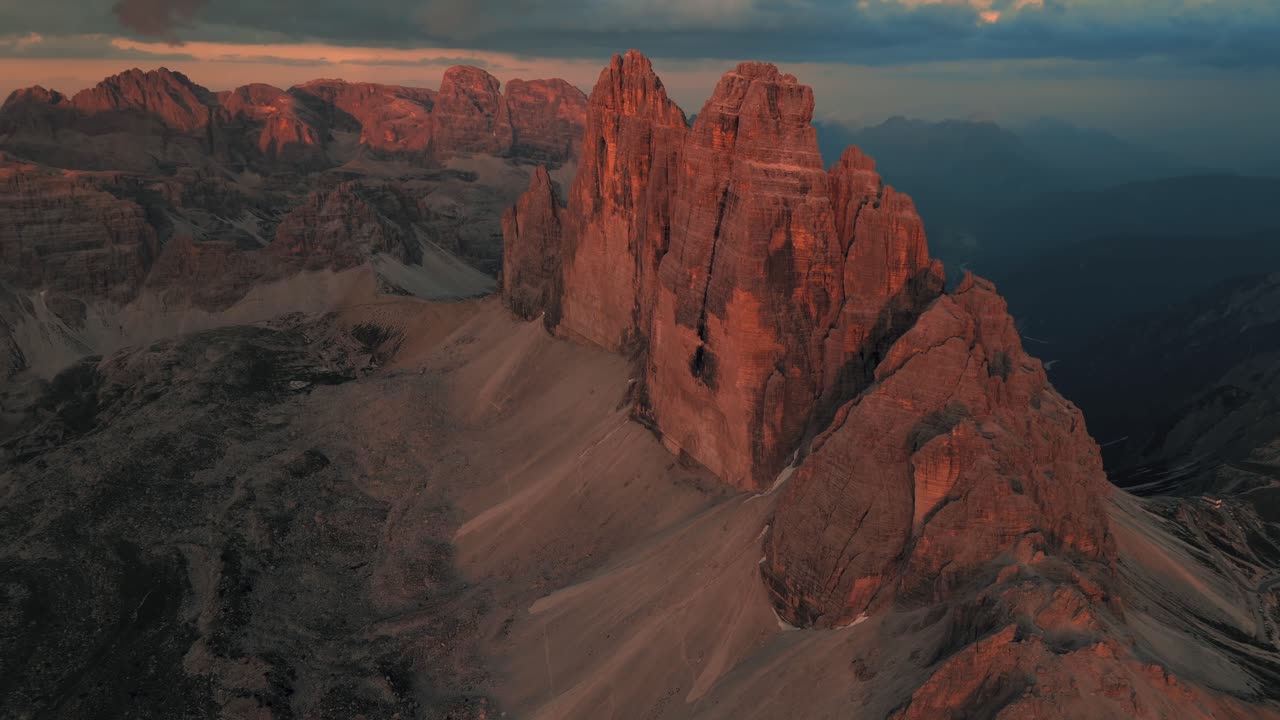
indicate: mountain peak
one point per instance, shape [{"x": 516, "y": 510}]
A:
[
  {"x": 34, "y": 95},
  {"x": 764, "y": 71},
  {"x": 789, "y": 321},
  {"x": 718, "y": 248},
  {"x": 165, "y": 94},
  {"x": 629, "y": 85},
  {"x": 470, "y": 78}
]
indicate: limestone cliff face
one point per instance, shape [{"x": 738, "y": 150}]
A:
[
  {"x": 62, "y": 232},
  {"x": 531, "y": 261},
  {"x": 958, "y": 451},
  {"x": 761, "y": 287},
  {"x": 386, "y": 118},
  {"x": 796, "y": 318},
  {"x": 278, "y": 125},
  {"x": 888, "y": 278},
  {"x": 168, "y": 96},
  {"x": 338, "y": 229},
  {"x": 466, "y": 112},
  {"x": 327, "y": 230},
  {"x": 618, "y": 210},
  {"x": 750, "y": 284},
  {"x": 541, "y": 120}
]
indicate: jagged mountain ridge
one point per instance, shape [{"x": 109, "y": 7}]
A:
[
  {"x": 261, "y": 126},
  {"x": 150, "y": 195},
  {"x": 797, "y": 329}
]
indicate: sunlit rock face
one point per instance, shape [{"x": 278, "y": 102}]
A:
[
  {"x": 466, "y": 110},
  {"x": 786, "y": 314},
  {"x": 618, "y": 205},
  {"x": 531, "y": 259},
  {"x": 958, "y": 451},
  {"x": 759, "y": 287},
  {"x": 384, "y": 118},
  {"x": 277, "y": 124},
  {"x": 751, "y": 283},
  {"x": 541, "y": 120},
  {"x": 312, "y": 126},
  {"x": 168, "y": 96}
]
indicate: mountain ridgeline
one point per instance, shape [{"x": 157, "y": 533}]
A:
[
  {"x": 148, "y": 204},
  {"x": 790, "y": 333},
  {"x": 167, "y": 119}
]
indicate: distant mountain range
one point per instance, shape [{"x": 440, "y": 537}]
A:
[
  {"x": 157, "y": 120},
  {"x": 1183, "y": 389},
  {"x": 1071, "y": 293},
  {"x": 1205, "y": 205},
  {"x": 148, "y": 204},
  {"x": 993, "y": 197},
  {"x": 1046, "y": 154}
]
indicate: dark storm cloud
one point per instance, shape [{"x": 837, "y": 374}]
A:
[
  {"x": 1230, "y": 32},
  {"x": 157, "y": 18},
  {"x": 78, "y": 47},
  {"x": 872, "y": 32}
]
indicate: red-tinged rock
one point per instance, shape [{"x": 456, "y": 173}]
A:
[
  {"x": 888, "y": 281},
  {"x": 1015, "y": 674},
  {"x": 338, "y": 229},
  {"x": 541, "y": 120},
  {"x": 465, "y": 114},
  {"x": 751, "y": 282},
  {"x": 33, "y": 110},
  {"x": 388, "y": 118},
  {"x": 618, "y": 217},
  {"x": 62, "y": 233},
  {"x": 531, "y": 253},
  {"x": 170, "y": 97},
  {"x": 35, "y": 95},
  {"x": 958, "y": 450},
  {"x": 282, "y": 128},
  {"x": 763, "y": 288},
  {"x": 211, "y": 275},
  {"x": 257, "y": 101},
  {"x": 538, "y": 119}
]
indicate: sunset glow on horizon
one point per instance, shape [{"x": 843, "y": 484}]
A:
[{"x": 1181, "y": 72}]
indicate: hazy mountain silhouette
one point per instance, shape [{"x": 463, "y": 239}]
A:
[
  {"x": 1194, "y": 364},
  {"x": 993, "y": 197}
]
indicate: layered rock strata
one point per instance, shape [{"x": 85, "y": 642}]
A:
[
  {"x": 787, "y": 315},
  {"x": 759, "y": 286}
]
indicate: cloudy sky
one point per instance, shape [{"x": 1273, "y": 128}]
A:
[{"x": 1198, "y": 76}]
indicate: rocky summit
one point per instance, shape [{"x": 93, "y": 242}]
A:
[
  {"x": 114, "y": 124},
  {"x": 958, "y": 426},
  {"x": 762, "y": 287},
  {"x": 790, "y": 333}
]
